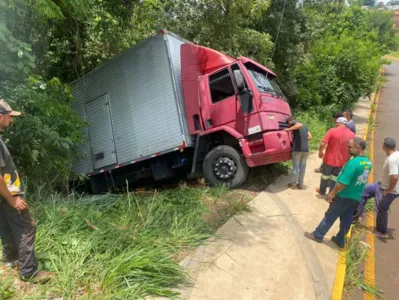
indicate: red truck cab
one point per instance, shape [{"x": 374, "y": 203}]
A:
[{"x": 232, "y": 105}]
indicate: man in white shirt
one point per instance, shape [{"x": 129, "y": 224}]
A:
[{"x": 385, "y": 191}]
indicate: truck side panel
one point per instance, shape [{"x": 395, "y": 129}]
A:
[
  {"x": 174, "y": 48},
  {"x": 142, "y": 99}
]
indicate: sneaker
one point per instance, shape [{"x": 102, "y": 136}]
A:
[
  {"x": 38, "y": 277},
  {"x": 12, "y": 264},
  {"x": 310, "y": 235},
  {"x": 318, "y": 170},
  {"x": 334, "y": 239},
  {"x": 291, "y": 186}
]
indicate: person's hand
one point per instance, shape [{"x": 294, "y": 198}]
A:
[
  {"x": 386, "y": 192},
  {"x": 18, "y": 203},
  {"x": 321, "y": 154},
  {"x": 330, "y": 197}
]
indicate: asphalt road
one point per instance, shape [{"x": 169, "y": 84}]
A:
[{"x": 387, "y": 124}]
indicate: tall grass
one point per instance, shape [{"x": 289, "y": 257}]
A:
[
  {"x": 318, "y": 120},
  {"x": 124, "y": 247}
]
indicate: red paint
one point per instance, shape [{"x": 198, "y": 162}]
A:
[
  {"x": 181, "y": 147},
  {"x": 269, "y": 111}
]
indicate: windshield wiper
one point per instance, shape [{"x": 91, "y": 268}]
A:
[
  {"x": 268, "y": 89},
  {"x": 272, "y": 91}
]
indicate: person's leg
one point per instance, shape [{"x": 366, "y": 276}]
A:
[
  {"x": 24, "y": 231},
  {"x": 368, "y": 193},
  {"x": 345, "y": 222},
  {"x": 337, "y": 207},
  {"x": 382, "y": 212},
  {"x": 319, "y": 169},
  {"x": 10, "y": 250},
  {"x": 325, "y": 178},
  {"x": 334, "y": 175},
  {"x": 302, "y": 167},
  {"x": 296, "y": 156}
]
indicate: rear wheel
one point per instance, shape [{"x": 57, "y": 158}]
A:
[{"x": 223, "y": 165}]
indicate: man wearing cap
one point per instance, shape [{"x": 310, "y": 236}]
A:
[
  {"x": 335, "y": 144},
  {"x": 335, "y": 117},
  {"x": 385, "y": 191},
  {"x": 17, "y": 228}
]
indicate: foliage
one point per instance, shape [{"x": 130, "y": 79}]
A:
[
  {"x": 124, "y": 247},
  {"x": 344, "y": 46},
  {"x": 324, "y": 52},
  {"x": 16, "y": 58},
  {"x": 43, "y": 139}
]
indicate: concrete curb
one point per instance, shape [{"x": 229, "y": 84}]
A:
[
  {"x": 340, "y": 274},
  {"x": 322, "y": 290}
]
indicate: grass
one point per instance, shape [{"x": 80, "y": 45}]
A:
[
  {"x": 357, "y": 251},
  {"x": 318, "y": 120},
  {"x": 121, "y": 246}
]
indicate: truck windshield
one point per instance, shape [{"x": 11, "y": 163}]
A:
[{"x": 263, "y": 81}]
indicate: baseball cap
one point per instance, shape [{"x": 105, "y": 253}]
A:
[
  {"x": 6, "y": 109},
  {"x": 342, "y": 120},
  {"x": 389, "y": 142}
]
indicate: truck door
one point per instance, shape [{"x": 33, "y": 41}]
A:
[
  {"x": 101, "y": 135},
  {"x": 227, "y": 106}
]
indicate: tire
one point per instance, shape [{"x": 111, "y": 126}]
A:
[{"x": 226, "y": 155}]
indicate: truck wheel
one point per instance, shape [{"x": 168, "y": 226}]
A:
[{"x": 223, "y": 165}]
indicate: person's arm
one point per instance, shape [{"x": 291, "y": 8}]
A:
[
  {"x": 338, "y": 187},
  {"x": 393, "y": 176},
  {"x": 17, "y": 202},
  {"x": 295, "y": 127},
  {"x": 344, "y": 178},
  {"x": 393, "y": 180},
  {"x": 322, "y": 147},
  {"x": 309, "y": 135},
  {"x": 324, "y": 144}
]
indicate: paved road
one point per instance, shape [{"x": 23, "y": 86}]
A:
[{"x": 387, "y": 124}]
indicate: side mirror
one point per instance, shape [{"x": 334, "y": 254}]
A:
[{"x": 239, "y": 80}]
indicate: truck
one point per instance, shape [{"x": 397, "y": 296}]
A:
[{"x": 167, "y": 106}]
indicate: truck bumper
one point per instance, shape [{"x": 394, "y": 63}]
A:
[{"x": 272, "y": 147}]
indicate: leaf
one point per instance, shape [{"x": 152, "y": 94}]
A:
[{"x": 20, "y": 65}]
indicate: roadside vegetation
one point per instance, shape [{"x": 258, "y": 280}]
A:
[{"x": 326, "y": 55}]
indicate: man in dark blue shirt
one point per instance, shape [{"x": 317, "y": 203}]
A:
[
  {"x": 348, "y": 114},
  {"x": 300, "y": 151}
]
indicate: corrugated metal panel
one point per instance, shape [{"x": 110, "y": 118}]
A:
[
  {"x": 143, "y": 107},
  {"x": 173, "y": 44},
  {"x": 100, "y": 132}
]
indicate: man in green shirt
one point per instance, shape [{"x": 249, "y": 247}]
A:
[{"x": 346, "y": 195}]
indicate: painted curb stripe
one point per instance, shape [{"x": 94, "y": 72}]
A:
[
  {"x": 340, "y": 273},
  {"x": 369, "y": 262}
]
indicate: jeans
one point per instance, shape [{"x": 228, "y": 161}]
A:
[
  {"x": 17, "y": 233},
  {"x": 382, "y": 204},
  {"x": 342, "y": 208},
  {"x": 299, "y": 160},
  {"x": 328, "y": 177}
]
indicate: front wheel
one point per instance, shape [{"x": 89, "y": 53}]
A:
[{"x": 223, "y": 165}]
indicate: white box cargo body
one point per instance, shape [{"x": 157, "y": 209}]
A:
[{"x": 133, "y": 105}]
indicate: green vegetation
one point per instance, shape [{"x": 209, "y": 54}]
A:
[
  {"x": 326, "y": 54},
  {"x": 123, "y": 247},
  {"x": 354, "y": 261}
]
